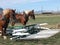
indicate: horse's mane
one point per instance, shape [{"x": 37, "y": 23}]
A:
[{"x": 6, "y": 11}]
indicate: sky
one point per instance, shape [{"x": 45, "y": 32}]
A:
[{"x": 37, "y": 5}]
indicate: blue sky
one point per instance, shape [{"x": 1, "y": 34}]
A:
[{"x": 21, "y": 5}]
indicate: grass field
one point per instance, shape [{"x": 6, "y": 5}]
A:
[{"x": 51, "y": 20}]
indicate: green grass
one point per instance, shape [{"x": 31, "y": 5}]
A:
[{"x": 46, "y": 19}]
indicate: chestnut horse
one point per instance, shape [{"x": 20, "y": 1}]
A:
[
  {"x": 23, "y": 18},
  {"x": 4, "y": 21}
]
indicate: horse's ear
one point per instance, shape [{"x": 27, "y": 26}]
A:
[
  {"x": 24, "y": 12},
  {"x": 33, "y": 10}
]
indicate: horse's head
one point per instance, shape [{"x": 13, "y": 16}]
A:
[
  {"x": 12, "y": 14},
  {"x": 30, "y": 13},
  {"x": 9, "y": 13}
]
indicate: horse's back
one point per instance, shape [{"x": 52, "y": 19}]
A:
[
  {"x": 27, "y": 11},
  {"x": 20, "y": 16}
]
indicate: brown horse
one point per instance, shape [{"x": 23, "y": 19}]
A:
[
  {"x": 6, "y": 16},
  {"x": 30, "y": 13},
  {"x": 23, "y": 18}
]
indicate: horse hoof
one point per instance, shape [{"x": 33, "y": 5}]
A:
[
  {"x": 4, "y": 37},
  {"x": 10, "y": 38}
]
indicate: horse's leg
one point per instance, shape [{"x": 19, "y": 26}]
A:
[
  {"x": 23, "y": 21},
  {"x": 4, "y": 29},
  {"x": 1, "y": 30},
  {"x": 12, "y": 24},
  {"x": 4, "y": 33}
]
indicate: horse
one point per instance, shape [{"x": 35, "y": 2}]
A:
[
  {"x": 29, "y": 13},
  {"x": 4, "y": 21},
  {"x": 23, "y": 17}
]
